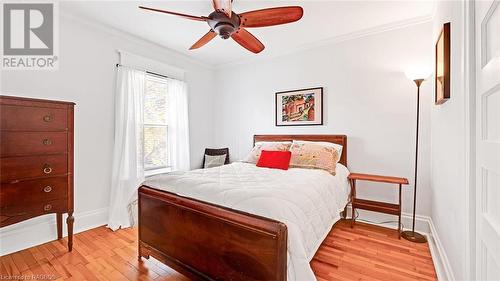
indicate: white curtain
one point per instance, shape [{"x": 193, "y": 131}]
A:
[
  {"x": 128, "y": 170},
  {"x": 128, "y": 154},
  {"x": 178, "y": 125}
]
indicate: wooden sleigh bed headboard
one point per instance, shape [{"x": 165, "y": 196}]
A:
[{"x": 338, "y": 139}]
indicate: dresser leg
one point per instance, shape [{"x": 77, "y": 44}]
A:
[
  {"x": 70, "y": 220},
  {"x": 59, "y": 225}
]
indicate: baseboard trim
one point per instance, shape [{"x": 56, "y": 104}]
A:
[
  {"x": 20, "y": 236},
  {"x": 443, "y": 269},
  {"x": 424, "y": 225}
]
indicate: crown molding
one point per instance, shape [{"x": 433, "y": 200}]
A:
[
  {"x": 332, "y": 40},
  {"x": 130, "y": 37}
]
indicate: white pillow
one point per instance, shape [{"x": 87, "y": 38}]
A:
[
  {"x": 338, "y": 147},
  {"x": 254, "y": 155},
  {"x": 214, "y": 160}
]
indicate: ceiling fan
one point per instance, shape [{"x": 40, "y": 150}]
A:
[{"x": 226, "y": 23}]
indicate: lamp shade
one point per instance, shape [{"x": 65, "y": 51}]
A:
[{"x": 418, "y": 73}]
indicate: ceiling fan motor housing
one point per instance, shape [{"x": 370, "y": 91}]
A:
[{"x": 223, "y": 25}]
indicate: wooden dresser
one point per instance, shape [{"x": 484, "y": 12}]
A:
[{"x": 36, "y": 161}]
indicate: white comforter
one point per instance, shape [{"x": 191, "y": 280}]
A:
[{"x": 307, "y": 201}]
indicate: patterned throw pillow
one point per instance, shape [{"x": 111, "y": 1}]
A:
[
  {"x": 214, "y": 160},
  {"x": 312, "y": 155},
  {"x": 338, "y": 147},
  {"x": 254, "y": 155}
]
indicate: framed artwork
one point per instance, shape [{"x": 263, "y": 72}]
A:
[
  {"x": 299, "y": 107},
  {"x": 442, "y": 71}
]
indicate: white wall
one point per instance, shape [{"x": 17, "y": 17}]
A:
[
  {"x": 86, "y": 76},
  {"x": 448, "y": 148},
  {"x": 366, "y": 96}
]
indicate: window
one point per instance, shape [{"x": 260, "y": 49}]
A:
[{"x": 156, "y": 158}]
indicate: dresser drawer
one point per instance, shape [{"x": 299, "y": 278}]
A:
[
  {"x": 26, "y": 143},
  {"x": 27, "y": 118},
  {"x": 13, "y": 214},
  {"x": 15, "y": 168},
  {"x": 33, "y": 191}
]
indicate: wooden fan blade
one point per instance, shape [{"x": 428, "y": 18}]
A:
[
  {"x": 204, "y": 40},
  {"x": 223, "y": 6},
  {"x": 248, "y": 41},
  {"x": 271, "y": 16},
  {"x": 175, "y": 14}
]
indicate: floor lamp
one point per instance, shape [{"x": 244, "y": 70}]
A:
[{"x": 412, "y": 235}]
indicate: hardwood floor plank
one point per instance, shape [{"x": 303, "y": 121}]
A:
[
  {"x": 28, "y": 258},
  {"x": 63, "y": 272},
  {"x": 10, "y": 266},
  {"x": 365, "y": 252},
  {"x": 38, "y": 269},
  {"x": 18, "y": 260},
  {"x": 88, "y": 274},
  {"x": 37, "y": 254}
]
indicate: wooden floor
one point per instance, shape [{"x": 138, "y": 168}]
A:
[
  {"x": 365, "y": 252},
  {"x": 368, "y": 252}
]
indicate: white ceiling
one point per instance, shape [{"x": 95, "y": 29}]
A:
[{"x": 322, "y": 21}]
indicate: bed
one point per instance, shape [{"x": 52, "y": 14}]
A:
[{"x": 242, "y": 222}]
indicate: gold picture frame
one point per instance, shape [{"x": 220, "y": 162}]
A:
[{"x": 442, "y": 70}]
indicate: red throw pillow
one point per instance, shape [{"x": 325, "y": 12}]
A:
[{"x": 274, "y": 159}]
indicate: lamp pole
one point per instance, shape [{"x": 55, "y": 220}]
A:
[{"x": 412, "y": 235}]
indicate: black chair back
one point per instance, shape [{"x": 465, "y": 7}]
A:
[{"x": 215, "y": 152}]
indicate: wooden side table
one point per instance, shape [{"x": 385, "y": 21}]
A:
[{"x": 376, "y": 206}]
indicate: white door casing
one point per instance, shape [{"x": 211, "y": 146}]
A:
[{"x": 487, "y": 36}]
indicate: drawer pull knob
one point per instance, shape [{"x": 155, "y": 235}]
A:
[
  {"x": 47, "y": 189},
  {"x": 47, "y": 169},
  {"x": 47, "y": 118},
  {"x": 47, "y": 142},
  {"x": 47, "y": 207}
]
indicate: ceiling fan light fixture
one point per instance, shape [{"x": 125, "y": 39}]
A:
[
  {"x": 223, "y": 25},
  {"x": 224, "y": 29}
]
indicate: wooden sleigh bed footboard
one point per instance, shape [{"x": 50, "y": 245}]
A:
[{"x": 209, "y": 242}]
